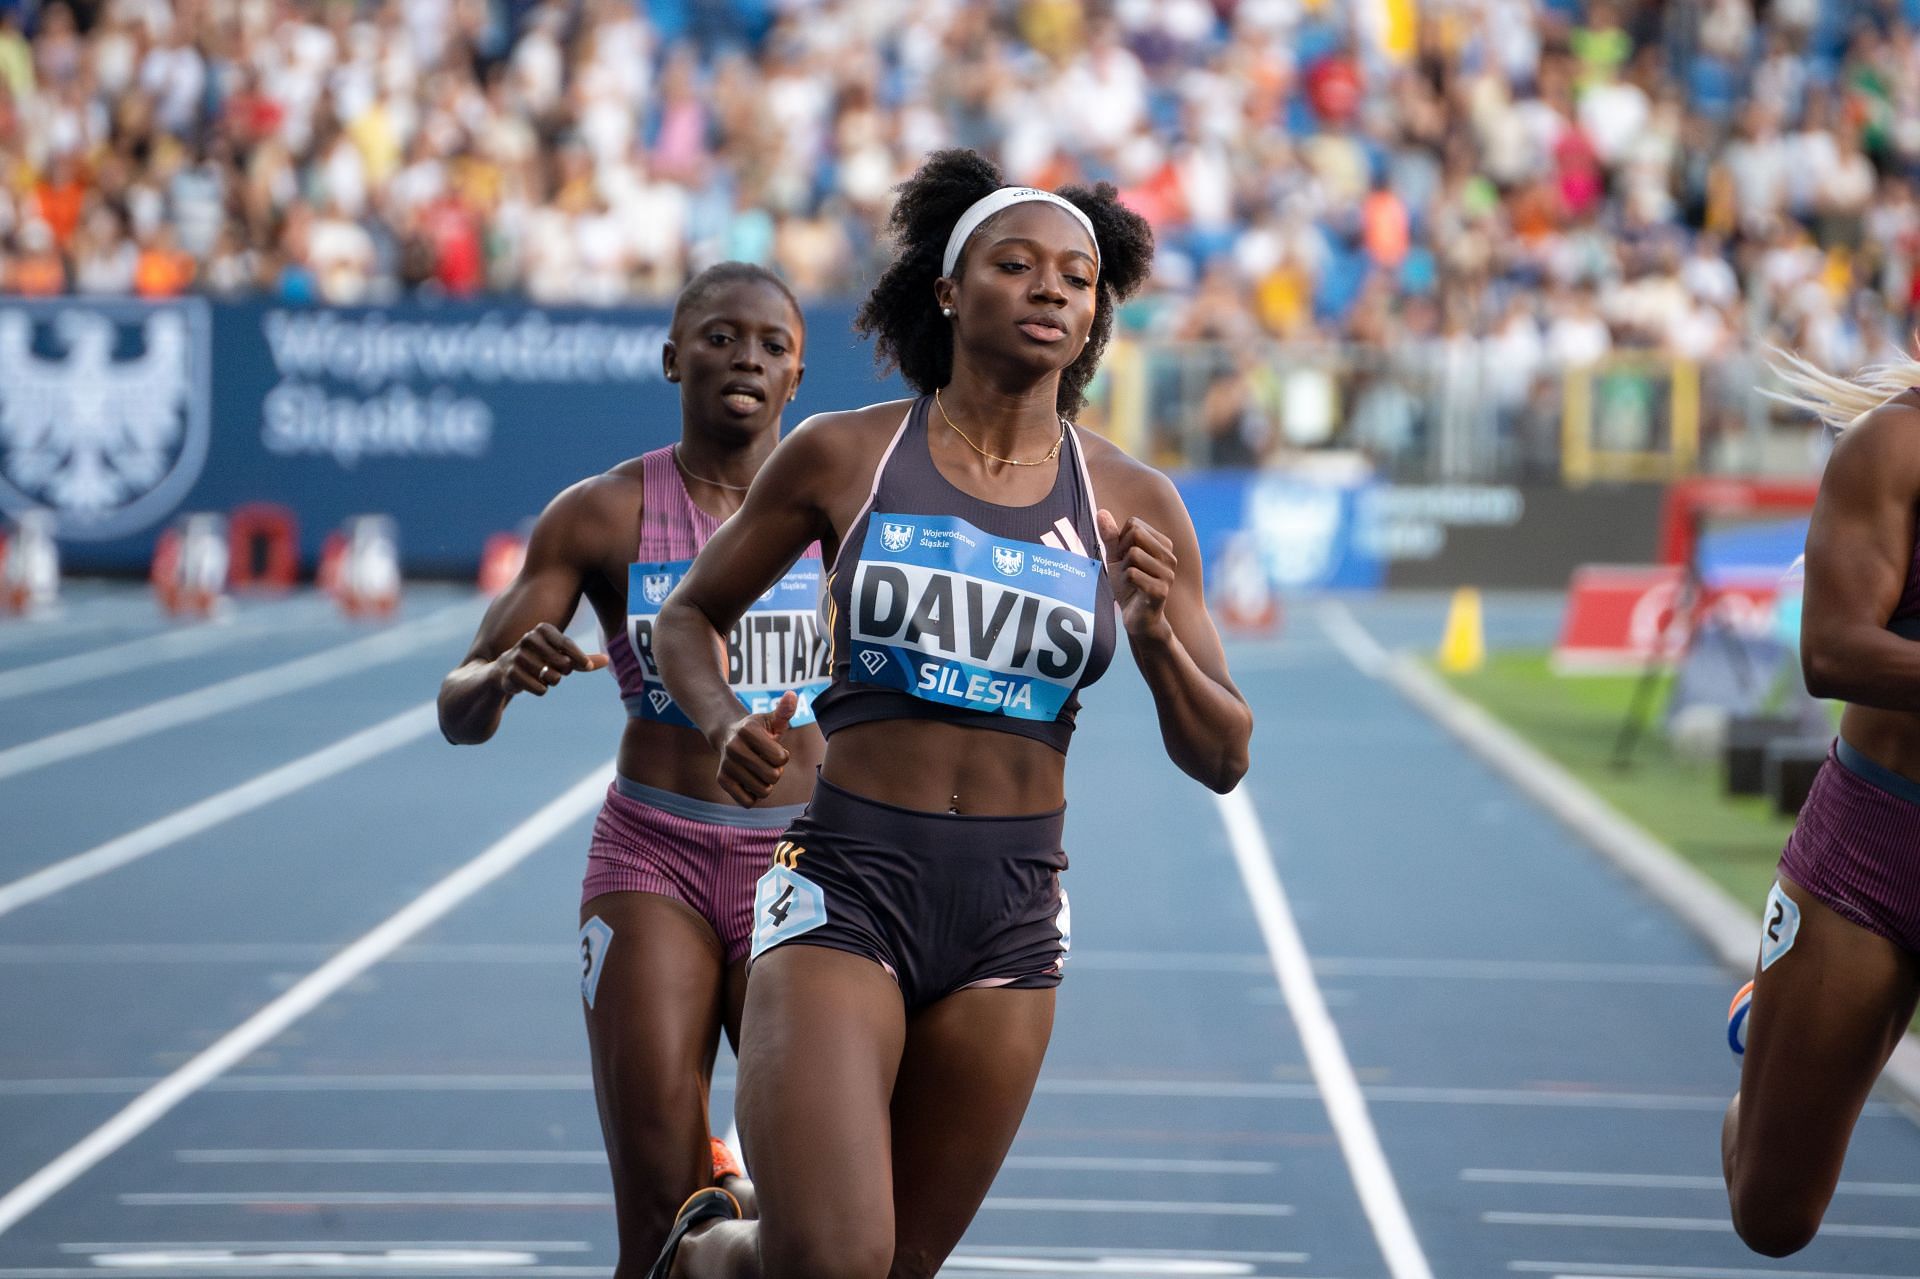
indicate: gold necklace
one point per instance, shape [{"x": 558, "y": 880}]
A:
[
  {"x": 995, "y": 457},
  {"x": 731, "y": 488}
]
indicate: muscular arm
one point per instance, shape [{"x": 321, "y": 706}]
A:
[
  {"x": 1153, "y": 553},
  {"x": 1858, "y": 552},
  {"x": 783, "y": 514},
  {"x": 523, "y": 629}
]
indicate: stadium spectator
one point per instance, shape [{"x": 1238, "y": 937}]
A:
[{"x": 1686, "y": 178}]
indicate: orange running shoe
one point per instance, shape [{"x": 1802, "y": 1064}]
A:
[{"x": 725, "y": 1162}]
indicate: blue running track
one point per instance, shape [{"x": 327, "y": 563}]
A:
[{"x": 1539, "y": 1046}]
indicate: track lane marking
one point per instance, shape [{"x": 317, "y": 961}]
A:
[
  {"x": 232, "y": 694},
  {"x": 1172, "y": 1089},
  {"x": 1708, "y": 1225},
  {"x": 274, "y": 784},
  {"x": 1354, "y": 641},
  {"x": 153, "y": 650},
  {"x": 307, "y": 994},
  {"x": 598, "y": 1157},
  {"x": 1658, "y": 1181},
  {"x": 1622, "y": 1270},
  {"x": 1333, "y": 1073}
]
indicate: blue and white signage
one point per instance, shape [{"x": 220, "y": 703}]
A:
[
  {"x": 951, "y": 614},
  {"x": 103, "y": 412},
  {"x": 776, "y": 647}
]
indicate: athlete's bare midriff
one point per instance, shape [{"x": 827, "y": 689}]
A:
[
  {"x": 925, "y": 764},
  {"x": 1890, "y": 739}
]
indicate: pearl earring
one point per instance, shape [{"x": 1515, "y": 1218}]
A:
[{"x": 947, "y": 311}]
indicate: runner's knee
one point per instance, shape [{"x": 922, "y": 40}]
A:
[
  {"x": 822, "y": 1251},
  {"x": 915, "y": 1263},
  {"x": 1773, "y": 1223}
]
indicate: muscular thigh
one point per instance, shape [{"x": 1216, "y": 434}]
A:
[
  {"x": 654, "y": 971},
  {"x": 1826, "y": 1015},
  {"x": 966, "y": 1076},
  {"x": 820, "y": 1043}
]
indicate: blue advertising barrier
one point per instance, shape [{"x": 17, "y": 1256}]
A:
[
  {"x": 1306, "y": 531},
  {"x": 458, "y": 420}
]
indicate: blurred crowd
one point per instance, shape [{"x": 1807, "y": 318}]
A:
[{"x": 1556, "y": 178}]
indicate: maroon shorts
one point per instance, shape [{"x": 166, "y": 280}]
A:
[
  {"x": 703, "y": 854},
  {"x": 1857, "y": 846}
]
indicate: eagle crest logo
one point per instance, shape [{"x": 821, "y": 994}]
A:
[
  {"x": 656, "y": 587},
  {"x": 103, "y": 413},
  {"x": 1007, "y": 561},
  {"x": 895, "y": 537}
]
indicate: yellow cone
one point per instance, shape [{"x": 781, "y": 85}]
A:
[{"x": 1463, "y": 646}]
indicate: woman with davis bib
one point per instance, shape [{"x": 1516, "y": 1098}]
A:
[
  {"x": 985, "y": 556},
  {"x": 665, "y": 911}
]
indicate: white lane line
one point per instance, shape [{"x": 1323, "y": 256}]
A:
[
  {"x": 242, "y": 690},
  {"x": 1135, "y": 1254},
  {"x": 1709, "y": 1225},
  {"x": 595, "y": 1158},
  {"x": 1547, "y": 970},
  {"x": 1659, "y": 1181},
  {"x": 334, "y": 1245},
  {"x": 401, "y": 1261},
  {"x": 1338, "y": 624},
  {"x": 547, "y": 954},
  {"x": 1197, "y": 1090},
  {"x": 152, "y": 650},
  {"x": 306, "y": 995},
  {"x": 1203, "y": 1208},
  {"x": 1326, "y": 1055},
  {"x": 1197, "y": 1268},
  {"x": 544, "y": 954},
  {"x": 269, "y": 786},
  {"x": 1621, "y": 1270},
  {"x": 15, "y": 634},
  {"x": 1104, "y": 1163},
  {"x": 369, "y": 1266},
  {"x": 377, "y": 1156},
  {"x": 367, "y": 1198},
  {"x": 598, "y": 1199}
]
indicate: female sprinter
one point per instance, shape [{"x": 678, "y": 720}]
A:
[
  {"x": 665, "y": 913},
  {"x": 911, "y": 931},
  {"x": 1839, "y": 965}
]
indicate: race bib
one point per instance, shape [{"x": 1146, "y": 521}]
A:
[
  {"x": 776, "y": 647},
  {"x": 950, "y": 614},
  {"x": 785, "y": 905}
]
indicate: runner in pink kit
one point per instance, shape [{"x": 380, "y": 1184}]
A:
[
  {"x": 1839, "y": 967},
  {"x": 666, "y": 907}
]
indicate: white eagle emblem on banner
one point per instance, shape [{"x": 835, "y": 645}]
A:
[
  {"x": 109, "y": 445},
  {"x": 656, "y": 586},
  {"x": 895, "y": 537},
  {"x": 1007, "y": 561}
]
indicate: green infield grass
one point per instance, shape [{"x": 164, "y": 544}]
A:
[{"x": 1575, "y": 721}]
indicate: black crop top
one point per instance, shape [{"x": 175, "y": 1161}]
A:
[{"x": 943, "y": 606}]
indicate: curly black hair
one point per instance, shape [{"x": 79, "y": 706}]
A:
[
  {"x": 899, "y": 314},
  {"x": 719, "y": 276}
]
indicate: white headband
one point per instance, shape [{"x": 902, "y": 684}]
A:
[{"x": 985, "y": 207}]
